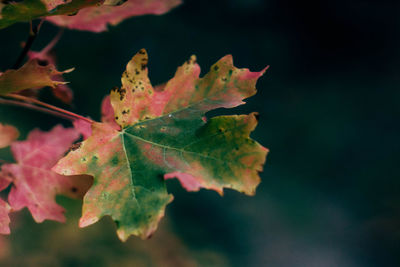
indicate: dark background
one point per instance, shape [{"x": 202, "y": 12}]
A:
[{"x": 328, "y": 109}]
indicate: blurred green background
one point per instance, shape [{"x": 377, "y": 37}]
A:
[{"x": 329, "y": 113}]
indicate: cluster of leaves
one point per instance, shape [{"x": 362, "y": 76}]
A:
[
  {"x": 146, "y": 135},
  {"x": 89, "y": 15}
]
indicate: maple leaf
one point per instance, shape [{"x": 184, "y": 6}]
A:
[
  {"x": 30, "y": 75},
  {"x": 96, "y": 18},
  {"x": 4, "y": 218},
  {"x": 5, "y": 209},
  {"x": 107, "y": 113},
  {"x": 94, "y": 14},
  {"x": 164, "y": 135},
  {"x": 45, "y": 57},
  {"x": 83, "y": 127},
  {"x": 34, "y": 184},
  {"x": 8, "y": 134},
  {"x": 27, "y": 10}
]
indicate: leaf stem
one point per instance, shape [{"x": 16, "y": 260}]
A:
[
  {"x": 47, "y": 108},
  {"x": 33, "y": 107}
]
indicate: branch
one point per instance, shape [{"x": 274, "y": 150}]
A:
[
  {"x": 46, "y": 108},
  {"x": 33, "y": 32},
  {"x": 33, "y": 107}
]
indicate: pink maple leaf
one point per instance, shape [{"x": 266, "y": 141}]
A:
[
  {"x": 96, "y": 18},
  {"x": 34, "y": 184},
  {"x": 4, "y": 219}
]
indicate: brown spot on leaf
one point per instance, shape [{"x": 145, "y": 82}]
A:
[
  {"x": 75, "y": 146},
  {"x": 121, "y": 92},
  {"x": 74, "y": 189},
  {"x": 42, "y": 62}
]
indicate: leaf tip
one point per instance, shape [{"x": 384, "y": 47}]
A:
[
  {"x": 68, "y": 70},
  {"x": 86, "y": 221}
]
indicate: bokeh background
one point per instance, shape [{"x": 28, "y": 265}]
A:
[{"x": 329, "y": 113}]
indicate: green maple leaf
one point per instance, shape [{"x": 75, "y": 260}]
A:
[{"x": 163, "y": 134}]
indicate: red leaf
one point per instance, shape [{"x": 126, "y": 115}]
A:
[
  {"x": 107, "y": 113},
  {"x": 34, "y": 184},
  {"x": 4, "y": 219},
  {"x": 83, "y": 127},
  {"x": 96, "y": 18}
]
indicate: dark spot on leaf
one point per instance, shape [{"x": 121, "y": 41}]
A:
[
  {"x": 42, "y": 62},
  {"x": 125, "y": 111},
  {"x": 74, "y": 189},
  {"x": 133, "y": 90},
  {"x": 142, "y": 51},
  {"x": 143, "y": 66},
  {"x": 73, "y": 13},
  {"x": 216, "y": 68},
  {"x": 121, "y": 92},
  {"x": 115, "y": 160},
  {"x": 120, "y": 2},
  {"x": 75, "y": 146},
  {"x": 116, "y": 117},
  {"x": 137, "y": 71}
]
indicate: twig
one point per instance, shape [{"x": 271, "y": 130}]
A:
[
  {"x": 47, "y": 108},
  {"x": 53, "y": 42},
  {"x": 33, "y": 32},
  {"x": 30, "y": 106}
]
